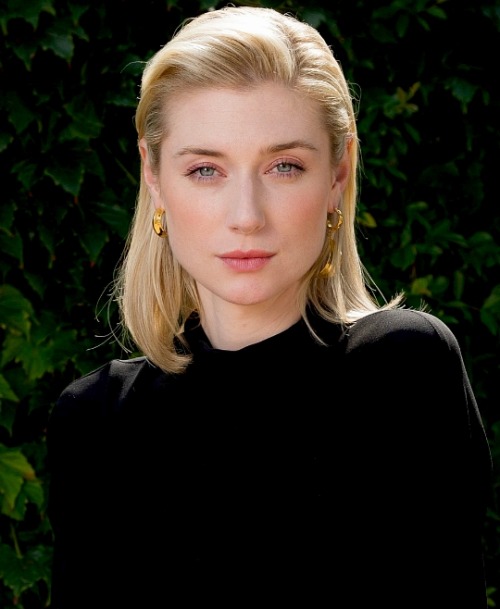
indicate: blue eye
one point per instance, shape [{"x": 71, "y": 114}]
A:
[
  {"x": 284, "y": 167},
  {"x": 206, "y": 172}
]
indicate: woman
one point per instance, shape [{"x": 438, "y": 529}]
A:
[{"x": 284, "y": 438}]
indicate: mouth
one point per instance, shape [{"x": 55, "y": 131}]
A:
[{"x": 251, "y": 260}]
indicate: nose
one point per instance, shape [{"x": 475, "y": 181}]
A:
[{"x": 246, "y": 208}]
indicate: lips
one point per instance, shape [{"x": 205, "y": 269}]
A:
[{"x": 251, "y": 260}]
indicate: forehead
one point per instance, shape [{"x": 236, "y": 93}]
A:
[{"x": 267, "y": 110}]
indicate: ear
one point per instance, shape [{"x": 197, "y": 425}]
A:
[
  {"x": 150, "y": 177},
  {"x": 341, "y": 175}
]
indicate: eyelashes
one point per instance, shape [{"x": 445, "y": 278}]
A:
[{"x": 207, "y": 172}]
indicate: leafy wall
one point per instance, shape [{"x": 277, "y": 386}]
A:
[{"x": 426, "y": 76}]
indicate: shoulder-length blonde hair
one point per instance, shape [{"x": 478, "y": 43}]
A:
[{"x": 237, "y": 47}]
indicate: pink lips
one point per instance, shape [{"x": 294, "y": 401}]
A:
[{"x": 252, "y": 260}]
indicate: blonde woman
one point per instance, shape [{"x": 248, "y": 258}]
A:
[{"x": 285, "y": 439}]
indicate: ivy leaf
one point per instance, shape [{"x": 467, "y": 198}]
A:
[
  {"x": 18, "y": 113},
  {"x": 67, "y": 175},
  {"x": 31, "y": 492},
  {"x": 7, "y": 217},
  {"x": 25, "y": 52},
  {"x": 403, "y": 257},
  {"x": 13, "y": 246},
  {"x": 490, "y": 311},
  {"x": 14, "y": 470},
  {"x": 58, "y": 40},
  {"x": 20, "y": 573},
  {"x": 85, "y": 123},
  {"x": 44, "y": 350},
  {"x": 8, "y": 411},
  {"x": 365, "y": 218},
  {"x": 421, "y": 287},
  {"x": 6, "y": 390},
  {"x": 116, "y": 217},
  {"x": 25, "y": 172},
  {"x": 436, "y": 11},
  {"x": 15, "y": 310},
  {"x": 461, "y": 89},
  {"x": 93, "y": 240},
  {"x": 30, "y": 11},
  {"x": 37, "y": 358},
  {"x": 5, "y": 140}
]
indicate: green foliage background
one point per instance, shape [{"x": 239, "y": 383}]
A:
[{"x": 426, "y": 76}]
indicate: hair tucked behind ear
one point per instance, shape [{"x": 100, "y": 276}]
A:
[{"x": 237, "y": 47}]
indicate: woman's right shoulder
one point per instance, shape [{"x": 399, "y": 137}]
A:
[{"x": 103, "y": 388}]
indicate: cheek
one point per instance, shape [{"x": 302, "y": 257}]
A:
[
  {"x": 189, "y": 227},
  {"x": 310, "y": 230},
  {"x": 309, "y": 222}
]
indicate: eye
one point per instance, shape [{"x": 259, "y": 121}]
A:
[
  {"x": 202, "y": 172},
  {"x": 286, "y": 169},
  {"x": 206, "y": 172}
]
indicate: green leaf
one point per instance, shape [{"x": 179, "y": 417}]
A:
[
  {"x": 402, "y": 24},
  {"x": 365, "y": 218},
  {"x": 25, "y": 52},
  {"x": 6, "y": 392},
  {"x": 492, "y": 303},
  {"x": 16, "y": 311},
  {"x": 461, "y": 89},
  {"x": 420, "y": 287},
  {"x": 115, "y": 216},
  {"x": 403, "y": 257},
  {"x": 314, "y": 16},
  {"x": 37, "y": 284},
  {"x": 458, "y": 284},
  {"x": 14, "y": 470},
  {"x": 437, "y": 11},
  {"x": 33, "y": 490},
  {"x": 43, "y": 351},
  {"x": 5, "y": 140},
  {"x": 7, "y": 217},
  {"x": 67, "y": 175},
  {"x": 93, "y": 240},
  {"x": 14, "y": 462},
  {"x": 8, "y": 411},
  {"x": 442, "y": 233},
  {"x": 85, "y": 123},
  {"x": 29, "y": 10},
  {"x": 18, "y": 113},
  {"x": 13, "y": 246},
  {"x": 59, "y": 40},
  {"x": 47, "y": 236},
  {"x": 25, "y": 172},
  {"x": 22, "y": 573}
]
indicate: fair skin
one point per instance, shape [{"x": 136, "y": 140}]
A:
[{"x": 246, "y": 181}]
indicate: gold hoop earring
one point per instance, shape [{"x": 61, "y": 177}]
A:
[
  {"x": 340, "y": 221},
  {"x": 329, "y": 270},
  {"x": 158, "y": 222}
]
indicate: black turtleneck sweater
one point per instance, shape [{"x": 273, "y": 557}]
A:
[{"x": 286, "y": 473}]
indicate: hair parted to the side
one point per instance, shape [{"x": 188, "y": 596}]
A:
[{"x": 237, "y": 47}]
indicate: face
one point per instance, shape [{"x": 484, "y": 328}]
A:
[{"x": 246, "y": 181}]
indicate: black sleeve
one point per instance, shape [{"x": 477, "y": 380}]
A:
[
  {"x": 423, "y": 460},
  {"x": 86, "y": 462}
]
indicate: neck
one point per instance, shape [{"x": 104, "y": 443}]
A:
[{"x": 232, "y": 327}]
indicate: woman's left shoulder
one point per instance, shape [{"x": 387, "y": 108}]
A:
[{"x": 402, "y": 326}]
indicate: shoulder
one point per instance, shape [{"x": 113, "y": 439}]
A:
[
  {"x": 398, "y": 328},
  {"x": 103, "y": 388}
]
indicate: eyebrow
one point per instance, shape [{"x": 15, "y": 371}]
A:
[{"x": 270, "y": 149}]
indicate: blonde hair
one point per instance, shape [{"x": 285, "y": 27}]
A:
[{"x": 237, "y": 47}]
